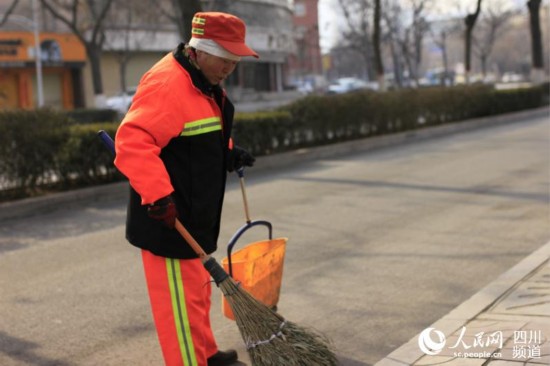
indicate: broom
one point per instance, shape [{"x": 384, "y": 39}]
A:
[{"x": 270, "y": 339}]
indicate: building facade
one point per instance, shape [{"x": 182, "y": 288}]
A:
[
  {"x": 305, "y": 63},
  {"x": 51, "y": 71},
  {"x": 269, "y": 33},
  {"x": 129, "y": 53}
]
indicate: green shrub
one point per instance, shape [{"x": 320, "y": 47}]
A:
[
  {"x": 30, "y": 142},
  {"x": 44, "y": 149},
  {"x": 93, "y": 115},
  {"x": 262, "y": 133},
  {"x": 84, "y": 159},
  {"x": 318, "y": 120},
  {"x": 511, "y": 100}
]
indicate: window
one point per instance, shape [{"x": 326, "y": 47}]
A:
[{"x": 300, "y": 9}]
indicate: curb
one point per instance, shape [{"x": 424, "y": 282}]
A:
[
  {"x": 409, "y": 353},
  {"x": 39, "y": 205}
]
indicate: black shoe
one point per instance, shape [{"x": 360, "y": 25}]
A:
[{"x": 223, "y": 358}]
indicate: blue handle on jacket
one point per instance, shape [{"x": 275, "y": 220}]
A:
[{"x": 107, "y": 141}]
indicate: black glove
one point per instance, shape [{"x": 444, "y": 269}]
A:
[
  {"x": 164, "y": 210},
  {"x": 238, "y": 158}
]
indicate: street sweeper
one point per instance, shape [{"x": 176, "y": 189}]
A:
[{"x": 174, "y": 145}]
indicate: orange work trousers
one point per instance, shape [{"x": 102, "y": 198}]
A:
[{"x": 179, "y": 291}]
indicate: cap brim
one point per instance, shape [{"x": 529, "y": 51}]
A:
[{"x": 236, "y": 48}]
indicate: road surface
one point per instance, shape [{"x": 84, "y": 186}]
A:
[{"x": 381, "y": 244}]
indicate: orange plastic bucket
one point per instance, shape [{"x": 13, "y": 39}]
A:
[{"x": 259, "y": 269}]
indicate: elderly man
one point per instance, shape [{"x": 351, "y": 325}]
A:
[{"x": 174, "y": 146}]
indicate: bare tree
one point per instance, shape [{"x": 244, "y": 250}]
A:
[
  {"x": 217, "y": 5},
  {"x": 407, "y": 52},
  {"x": 440, "y": 38},
  {"x": 537, "y": 58},
  {"x": 408, "y": 35},
  {"x": 378, "y": 63},
  {"x": 131, "y": 27},
  {"x": 420, "y": 27},
  {"x": 123, "y": 36},
  {"x": 391, "y": 17},
  {"x": 415, "y": 36},
  {"x": 180, "y": 12},
  {"x": 8, "y": 12},
  {"x": 357, "y": 36},
  {"x": 86, "y": 19},
  {"x": 491, "y": 27},
  {"x": 470, "y": 22}
]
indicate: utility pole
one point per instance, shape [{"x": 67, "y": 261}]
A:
[{"x": 37, "y": 54}]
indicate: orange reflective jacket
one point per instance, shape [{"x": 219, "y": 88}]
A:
[{"x": 174, "y": 140}]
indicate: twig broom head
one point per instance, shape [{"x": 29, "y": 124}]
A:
[{"x": 270, "y": 339}]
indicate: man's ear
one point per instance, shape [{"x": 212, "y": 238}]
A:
[{"x": 199, "y": 55}]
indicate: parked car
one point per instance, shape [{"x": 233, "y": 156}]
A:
[
  {"x": 512, "y": 77},
  {"x": 344, "y": 85},
  {"x": 121, "y": 102}
]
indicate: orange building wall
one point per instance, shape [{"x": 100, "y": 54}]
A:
[{"x": 59, "y": 54}]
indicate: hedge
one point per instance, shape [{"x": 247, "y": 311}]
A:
[
  {"x": 28, "y": 148},
  {"x": 45, "y": 150},
  {"x": 318, "y": 120},
  {"x": 84, "y": 160},
  {"x": 92, "y": 115}
]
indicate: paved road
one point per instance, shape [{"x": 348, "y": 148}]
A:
[{"x": 382, "y": 244}]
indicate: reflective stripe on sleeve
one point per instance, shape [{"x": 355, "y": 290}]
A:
[{"x": 201, "y": 126}]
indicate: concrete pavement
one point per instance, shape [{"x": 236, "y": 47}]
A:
[{"x": 505, "y": 323}]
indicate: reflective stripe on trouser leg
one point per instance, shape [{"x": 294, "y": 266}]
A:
[{"x": 179, "y": 291}]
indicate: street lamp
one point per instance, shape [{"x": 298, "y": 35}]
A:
[{"x": 34, "y": 26}]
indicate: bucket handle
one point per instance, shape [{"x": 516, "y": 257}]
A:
[{"x": 240, "y": 232}]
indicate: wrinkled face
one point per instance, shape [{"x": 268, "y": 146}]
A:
[{"x": 215, "y": 68}]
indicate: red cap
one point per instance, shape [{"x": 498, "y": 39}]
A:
[{"x": 225, "y": 29}]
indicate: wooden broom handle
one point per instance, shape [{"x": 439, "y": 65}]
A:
[
  {"x": 192, "y": 242},
  {"x": 240, "y": 173},
  {"x": 245, "y": 200}
]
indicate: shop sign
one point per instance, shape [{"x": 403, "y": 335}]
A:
[{"x": 56, "y": 49}]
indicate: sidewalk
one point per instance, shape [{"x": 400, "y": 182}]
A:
[{"x": 505, "y": 323}]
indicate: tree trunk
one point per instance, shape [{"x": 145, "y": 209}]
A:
[
  {"x": 123, "y": 65},
  {"x": 185, "y": 10},
  {"x": 92, "y": 38},
  {"x": 4, "y": 18},
  {"x": 537, "y": 72},
  {"x": 378, "y": 64},
  {"x": 483, "y": 60},
  {"x": 94, "y": 57},
  {"x": 470, "y": 22},
  {"x": 445, "y": 59},
  {"x": 396, "y": 61}
]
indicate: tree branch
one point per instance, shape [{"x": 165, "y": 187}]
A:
[{"x": 7, "y": 14}]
